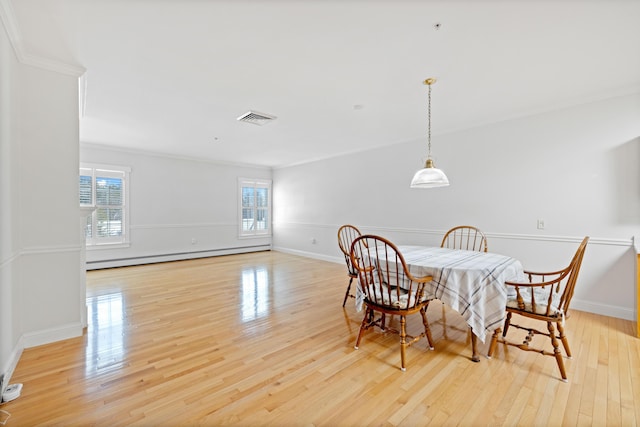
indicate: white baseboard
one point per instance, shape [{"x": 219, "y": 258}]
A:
[
  {"x": 152, "y": 259},
  {"x": 46, "y": 336},
  {"x": 11, "y": 364},
  {"x": 313, "y": 255},
  {"x": 34, "y": 339},
  {"x": 604, "y": 309}
]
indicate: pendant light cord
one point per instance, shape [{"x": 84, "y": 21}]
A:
[{"x": 429, "y": 126}]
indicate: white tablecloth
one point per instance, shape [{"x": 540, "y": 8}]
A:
[{"x": 470, "y": 282}]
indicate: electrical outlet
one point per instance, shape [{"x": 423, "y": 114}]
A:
[{"x": 540, "y": 224}]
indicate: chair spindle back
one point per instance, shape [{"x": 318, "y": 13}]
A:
[
  {"x": 346, "y": 235},
  {"x": 465, "y": 237},
  {"x": 384, "y": 277}
]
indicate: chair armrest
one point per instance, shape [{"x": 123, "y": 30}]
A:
[
  {"x": 545, "y": 279},
  {"x": 531, "y": 286},
  {"x": 545, "y": 273}
]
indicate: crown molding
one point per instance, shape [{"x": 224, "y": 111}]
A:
[
  {"x": 50, "y": 64},
  {"x": 8, "y": 18}
]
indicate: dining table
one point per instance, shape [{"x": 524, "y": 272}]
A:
[{"x": 470, "y": 282}]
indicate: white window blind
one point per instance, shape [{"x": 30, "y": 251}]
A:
[
  {"x": 254, "y": 207},
  {"x": 105, "y": 189}
]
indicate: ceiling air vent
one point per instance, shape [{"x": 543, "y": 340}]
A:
[{"x": 256, "y": 118}]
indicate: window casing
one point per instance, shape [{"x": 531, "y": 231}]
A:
[
  {"x": 254, "y": 207},
  {"x": 105, "y": 188}
]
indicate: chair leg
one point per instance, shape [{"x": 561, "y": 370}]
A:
[
  {"x": 346, "y": 294},
  {"x": 427, "y": 330},
  {"x": 556, "y": 350},
  {"x": 563, "y": 338},
  {"x": 403, "y": 341},
  {"x": 494, "y": 341},
  {"x": 507, "y": 322},
  {"x": 367, "y": 315}
]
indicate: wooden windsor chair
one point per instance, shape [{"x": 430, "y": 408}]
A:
[
  {"x": 546, "y": 298},
  {"x": 388, "y": 288},
  {"x": 346, "y": 235}
]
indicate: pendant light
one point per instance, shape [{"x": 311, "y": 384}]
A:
[{"x": 430, "y": 176}]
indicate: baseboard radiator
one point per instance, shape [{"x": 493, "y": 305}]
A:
[{"x": 176, "y": 256}]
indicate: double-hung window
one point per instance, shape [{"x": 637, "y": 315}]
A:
[
  {"x": 255, "y": 207},
  {"x": 105, "y": 188}
]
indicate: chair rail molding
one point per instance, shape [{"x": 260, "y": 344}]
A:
[
  {"x": 183, "y": 225},
  {"x": 630, "y": 242},
  {"x": 35, "y": 250}
]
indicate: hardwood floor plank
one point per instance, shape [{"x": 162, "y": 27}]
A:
[
  {"x": 262, "y": 339},
  {"x": 580, "y": 348},
  {"x": 587, "y": 400}
]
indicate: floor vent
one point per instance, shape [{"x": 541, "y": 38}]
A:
[{"x": 256, "y": 118}]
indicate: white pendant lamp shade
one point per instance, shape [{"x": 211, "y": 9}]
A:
[{"x": 430, "y": 176}]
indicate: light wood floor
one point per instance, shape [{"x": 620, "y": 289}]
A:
[{"x": 262, "y": 339}]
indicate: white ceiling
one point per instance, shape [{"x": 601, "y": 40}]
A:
[{"x": 341, "y": 76}]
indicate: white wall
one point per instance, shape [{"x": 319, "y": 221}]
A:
[
  {"x": 575, "y": 168},
  {"x": 40, "y": 242},
  {"x": 50, "y": 242},
  {"x": 10, "y": 324},
  {"x": 174, "y": 201}
]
